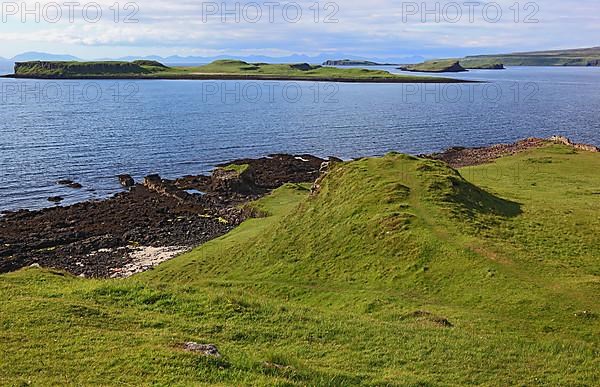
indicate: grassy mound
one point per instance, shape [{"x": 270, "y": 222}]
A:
[
  {"x": 396, "y": 271},
  {"x": 370, "y": 222}
]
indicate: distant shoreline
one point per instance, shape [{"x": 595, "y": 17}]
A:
[
  {"x": 219, "y": 70},
  {"x": 227, "y": 77}
]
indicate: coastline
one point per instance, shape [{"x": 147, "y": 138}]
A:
[
  {"x": 235, "y": 77},
  {"x": 155, "y": 220}
]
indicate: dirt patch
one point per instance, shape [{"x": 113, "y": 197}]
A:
[{"x": 423, "y": 315}]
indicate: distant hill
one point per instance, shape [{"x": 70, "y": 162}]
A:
[
  {"x": 435, "y": 66},
  {"x": 197, "y": 60},
  {"x": 574, "y": 57},
  {"x": 318, "y": 59},
  {"x": 349, "y": 62},
  {"x": 43, "y": 56}
]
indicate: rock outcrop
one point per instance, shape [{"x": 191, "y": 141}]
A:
[
  {"x": 126, "y": 181},
  {"x": 568, "y": 142},
  {"x": 239, "y": 180}
]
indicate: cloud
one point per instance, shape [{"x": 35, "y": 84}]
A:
[{"x": 360, "y": 27}]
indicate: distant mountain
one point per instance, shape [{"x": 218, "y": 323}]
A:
[
  {"x": 29, "y": 56},
  {"x": 349, "y": 62},
  {"x": 573, "y": 57},
  {"x": 191, "y": 60},
  {"x": 176, "y": 59}
]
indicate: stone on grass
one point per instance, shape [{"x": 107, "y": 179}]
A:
[{"x": 203, "y": 349}]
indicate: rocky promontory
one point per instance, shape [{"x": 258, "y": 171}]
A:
[{"x": 435, "y": 66}]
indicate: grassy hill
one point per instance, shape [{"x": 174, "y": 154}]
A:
[
  {"x": 397, "y": 271},
  {"x": 575, "y": 57},
  {"x": 220, "y": 69}
]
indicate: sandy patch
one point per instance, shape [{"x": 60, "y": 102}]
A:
[{"x": 145, "y": 258}]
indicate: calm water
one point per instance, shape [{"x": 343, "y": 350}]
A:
[{"x": 92, "y": 131}]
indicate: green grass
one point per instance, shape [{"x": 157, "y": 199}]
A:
[
  {"x": 239, "y": 168},
  {"x": 400, "y": 271},
  {"x": 220, "y": 69}
]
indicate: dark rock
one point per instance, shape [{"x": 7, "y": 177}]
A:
[
  {"x": 230, "y": 180},
  {"x": 152, "y": 181},
  {"x": 304, "y": 67},
  {"x": 277, "y": 169},
  {"x": 165, "y": 187},
  {"x": 126, "y": 180},
  {"x": 69, "y": 183},
  {"x": 56, "y": 199}
]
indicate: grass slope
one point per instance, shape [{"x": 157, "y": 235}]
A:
[{"x": 400, "y": 271}]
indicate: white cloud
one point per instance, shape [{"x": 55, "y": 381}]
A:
[{"x": 374, "y": 27}]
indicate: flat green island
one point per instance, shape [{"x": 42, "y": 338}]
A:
[
  {"x": 221, "y": 69},
  {"x": 395, "y": 271}
]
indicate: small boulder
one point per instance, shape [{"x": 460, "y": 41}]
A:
[
  {"x": 69, "y": 183},
  {"x": 153, "y": 182},
  {"x": 56, "y": 199},
  {"x": 203, "y": 349},
  {"x": 324, "y": 167},
  {"x": 126, "y": 181}
]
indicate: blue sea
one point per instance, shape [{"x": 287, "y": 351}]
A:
[{"x": 91, "y": 131}]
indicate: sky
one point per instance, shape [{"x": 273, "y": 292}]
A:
[{"x": 370, "y": 29}]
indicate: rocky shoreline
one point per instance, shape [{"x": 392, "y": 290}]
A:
[
  {"x": 157, "y": 219},
  {"x": 150, "y": 222},
  {"x": 459, "y": 157}
]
